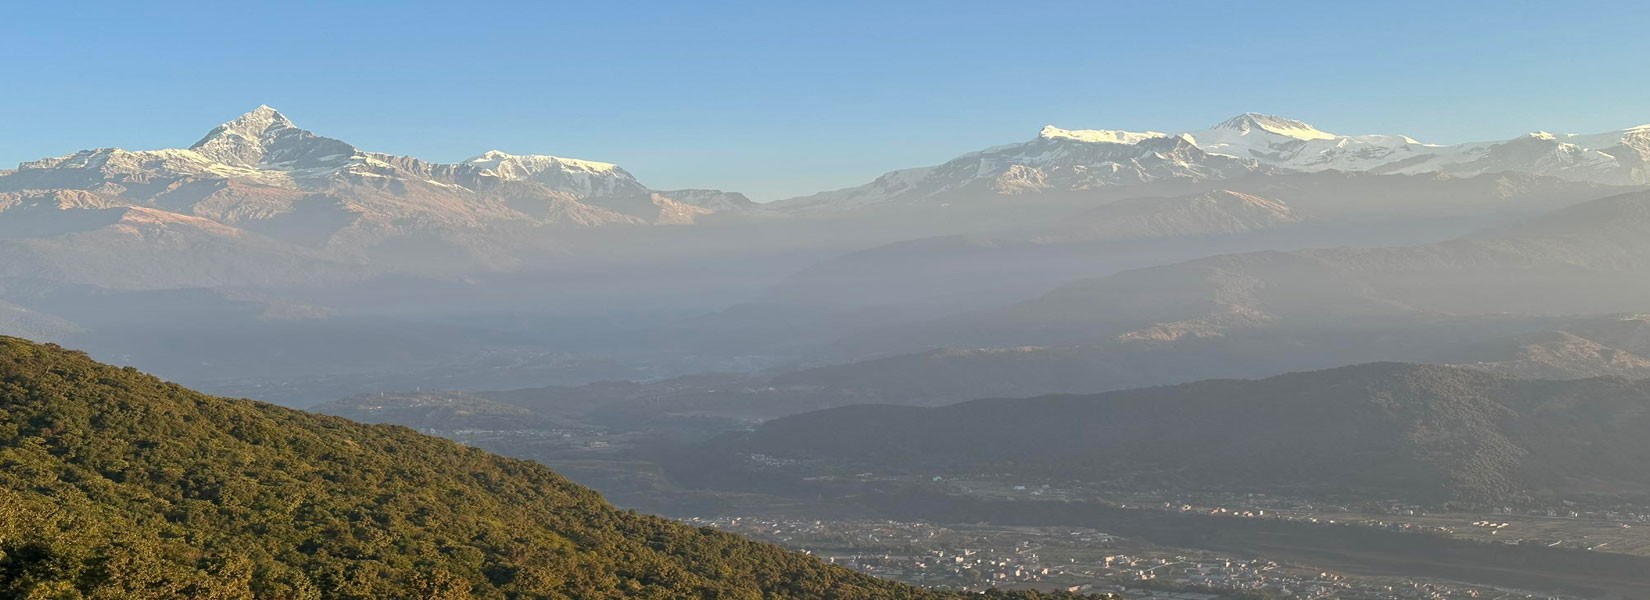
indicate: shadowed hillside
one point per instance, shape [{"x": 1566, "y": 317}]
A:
[{"x": 1379, "y": 430}]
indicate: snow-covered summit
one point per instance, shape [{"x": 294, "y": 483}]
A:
[
  {"x": 264, "y": 138},
  {"x": 501, "y": 162},
  {"x": 1107, "y": 136},
  {"x": 1296, "y": 145},
  {"x": 1056, "y": 160},
  {"x": 1075, "y": 159},
  {"x": 1248, "y": 123},
  {"x": 260, "y": 168},
  {"x": 266, "y": 147},
  {"x": 582, "y": 178},
  {"x": 254, "y": 125}
]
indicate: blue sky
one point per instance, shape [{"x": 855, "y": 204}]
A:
[{"x": 781, "y": 98}]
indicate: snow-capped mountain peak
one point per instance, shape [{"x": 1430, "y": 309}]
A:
[
  {"x": 256, "y": 125},
  {"x": 259, "y": 172},
  {"x": 257, "y": 121},
  {"x": 1296, "y": 145},
  {"x": 1108, "y": 136},
  {"x": 582, "y": 178},
  {"x": 1056, "y": 160},
  {"x": 505, "y": 164},
  {"x": 264, "y": 138},
  {"x": 1248, "y": 123}
]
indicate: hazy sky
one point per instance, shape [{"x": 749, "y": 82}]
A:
[{"x": 779, "y": 98}]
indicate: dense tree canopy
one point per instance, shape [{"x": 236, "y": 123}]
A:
[{"x": 114, "y": 484}]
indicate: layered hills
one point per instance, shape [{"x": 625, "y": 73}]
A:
[
  {"x": 1497, "y": 297},
  {"x": 1381, "y": 430}
]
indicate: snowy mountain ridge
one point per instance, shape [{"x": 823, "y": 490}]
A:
[
  {"x": 1072, "y": 160},
  {"x": 260, "y": 190},
  {"x": 263, "y": 154}
]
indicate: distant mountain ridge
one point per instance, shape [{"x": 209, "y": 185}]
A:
[
  {"x": 264, "y": 185},
  {"x": 1514, "y": 300},
  {"x": 1067, "y": 160},
  {"x": 1536, "y": 266},
  {"x": 264, "y": 147},
  {"x": 1220, "y": 212},
  {"x": 1056, "y": 160},
  {"x": 259, "y": 183},
  {"x": 1377, "y": 430}
]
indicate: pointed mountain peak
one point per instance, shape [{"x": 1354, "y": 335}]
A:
[
  {"x": 1247, "y": 123},
  {"x": 255, "y": 124},
  {"x": 265, "y": 138},
  {"x": 243, "y": 140},
  {"x": 265, "y": 111}
]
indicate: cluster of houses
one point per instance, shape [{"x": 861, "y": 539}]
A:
[{"x": 1071, "y": 559}]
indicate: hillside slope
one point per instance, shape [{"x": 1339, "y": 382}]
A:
[
  {"x": 1378, "y": 430},
  {"x": 114, "y": 484}
]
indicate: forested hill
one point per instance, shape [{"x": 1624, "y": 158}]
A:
[
  {"x": 114, "y": 484},
  {"x": 1383, "y": 430}
]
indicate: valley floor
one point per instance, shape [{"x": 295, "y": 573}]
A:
[{"x": 996, "y": 532}]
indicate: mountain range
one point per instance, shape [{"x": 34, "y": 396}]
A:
[
  {"x": 506, "y": 267},
  {"x": 1068, "y": 160},
  {"x": 259, "y": 200}
]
